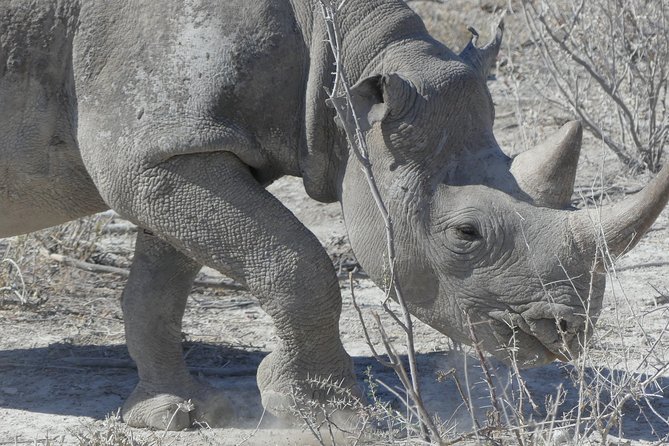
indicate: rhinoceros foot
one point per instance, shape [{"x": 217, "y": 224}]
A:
[
  {"x": 198, "y": 404},
  {"x": 296, "y": 392}
]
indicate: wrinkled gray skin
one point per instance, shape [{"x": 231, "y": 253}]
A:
[{"x": 177, "y": 114}]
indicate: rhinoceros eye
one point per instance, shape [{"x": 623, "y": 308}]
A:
[{"x": 467, "y": 232}]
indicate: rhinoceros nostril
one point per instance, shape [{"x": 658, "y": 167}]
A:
[{"x": 563, "y": 325}]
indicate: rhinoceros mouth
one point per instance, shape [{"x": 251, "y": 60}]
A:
[
  {"x": 522, "y": 349},
  {"x": 534, "y": 343}
]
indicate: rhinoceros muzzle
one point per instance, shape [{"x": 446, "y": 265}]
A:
[{"x": 540, "y": 334}]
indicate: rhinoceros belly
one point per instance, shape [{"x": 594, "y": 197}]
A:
[{"x": 43, "y": 181}]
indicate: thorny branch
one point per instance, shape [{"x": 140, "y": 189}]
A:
[{"x": 357, "y": 143}]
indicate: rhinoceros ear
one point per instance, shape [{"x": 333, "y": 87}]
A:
[
  {"x": 375, "y": 97},
  {"x": 369, "y": 98},
  {"x": 483, "y": 59}
]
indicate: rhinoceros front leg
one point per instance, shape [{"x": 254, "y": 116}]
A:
[
  {"x": 211, "y": 207},
  {"x": 153, "y": 302}
]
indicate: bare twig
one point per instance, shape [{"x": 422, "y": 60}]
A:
[
  {"x": 357, "y": 143},
  {"x": 224, "y": 284},
  {"x": 208, "y": 282},
  {"x": 118, "y": 228},
  {"x": 400, "y": 371},
  {"x": 486, "y": 371},
  {"x": 22, "y": 294},
  {"x": 87, "y": 266}
]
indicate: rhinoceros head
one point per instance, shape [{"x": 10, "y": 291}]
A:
[{"x": 488, "y": 248}]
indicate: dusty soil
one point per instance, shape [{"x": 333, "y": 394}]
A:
[{"x": 64, "y": 366}]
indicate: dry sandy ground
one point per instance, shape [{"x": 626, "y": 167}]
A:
[{"x": 64, "y": 366}]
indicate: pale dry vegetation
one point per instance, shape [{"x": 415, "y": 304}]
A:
[{"x": 607, "y": 63}]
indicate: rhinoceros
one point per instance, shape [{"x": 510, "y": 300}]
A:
[{"x": 177, "y": 114}]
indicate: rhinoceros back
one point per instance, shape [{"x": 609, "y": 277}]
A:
[{"x": 157, "y": 80}]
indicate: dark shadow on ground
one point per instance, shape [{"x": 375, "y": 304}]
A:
[
  {"x": 646, "y": 419},
  {"x": 92, "y": 381}
]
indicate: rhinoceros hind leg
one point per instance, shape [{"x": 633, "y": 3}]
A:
[{"x": 167, "y": 396}]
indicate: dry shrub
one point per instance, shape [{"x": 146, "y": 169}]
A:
[
  {"x": 110, "y": 432},
  {"x": 25, "y": 269},
  {"x": 607, "y": 62}
]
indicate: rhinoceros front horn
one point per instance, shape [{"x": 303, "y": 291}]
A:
[
  {"x": 546, "y": 173},
  {"x": 623, "y": 224}
]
